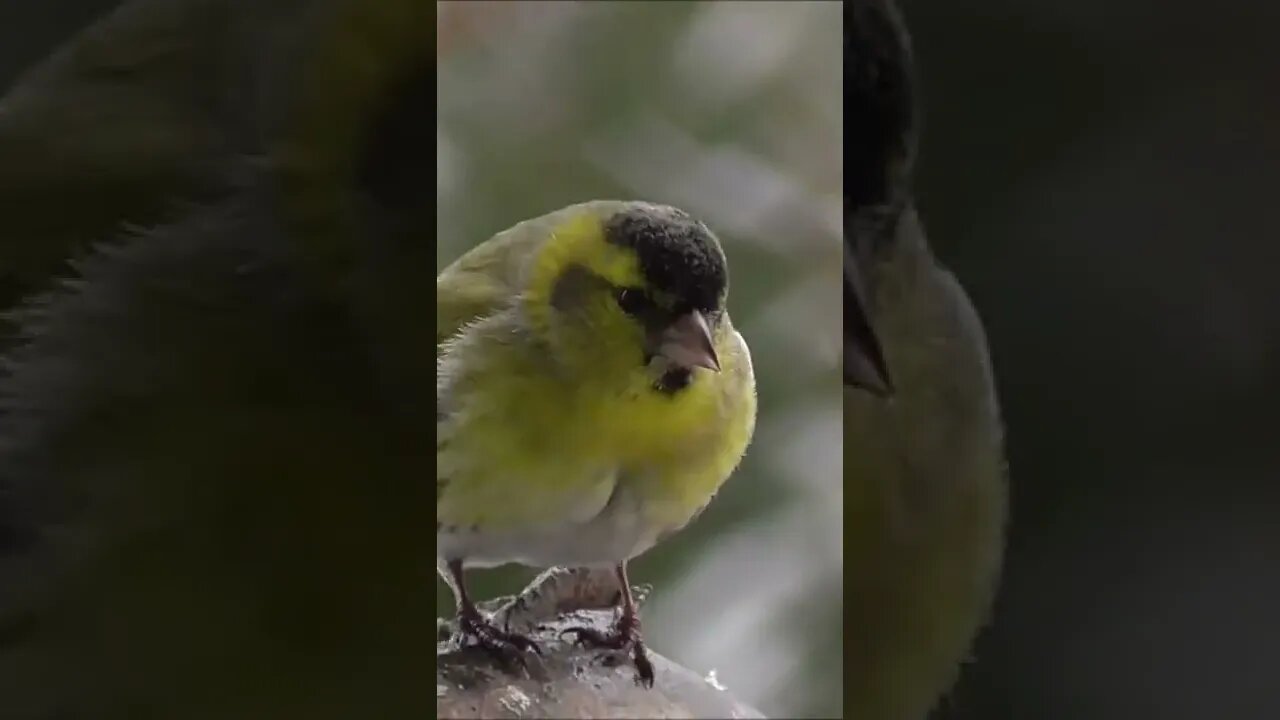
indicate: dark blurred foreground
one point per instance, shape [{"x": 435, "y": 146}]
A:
[{"x": 1101, "y": 175}]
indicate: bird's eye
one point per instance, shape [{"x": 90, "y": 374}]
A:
[{"x": 633, "y": 301}]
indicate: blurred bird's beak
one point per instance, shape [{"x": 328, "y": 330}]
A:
[
  {"x": 864, "y": 363},
  {"x": 687, "y": 343}
]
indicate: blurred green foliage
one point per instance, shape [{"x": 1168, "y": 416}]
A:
[{"x": 731, "y": 111}]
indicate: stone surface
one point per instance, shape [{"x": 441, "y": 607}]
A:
[{"x": 567, "y": 681}]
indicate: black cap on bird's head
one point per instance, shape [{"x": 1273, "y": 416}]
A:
[
  {"x": 880, "y": 103},
  {"x": 880, "y": 147},
  {"x": 686, "y": 283},
  {"x": 679, "y": 257}
]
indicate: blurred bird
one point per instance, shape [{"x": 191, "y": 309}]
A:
[
  {"x": 592, "y": 396},
  {"x": 213, "y": 409},
  {"x": 925, "y": 482}
]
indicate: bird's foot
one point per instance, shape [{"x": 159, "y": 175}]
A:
[
  {"x": 504, "y": 645},
  {"x": 624, "y": 636}
]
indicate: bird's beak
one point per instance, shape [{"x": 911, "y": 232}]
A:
[
  {"x": 687, "y": 343},
  {"x": 864, "y": 363}
]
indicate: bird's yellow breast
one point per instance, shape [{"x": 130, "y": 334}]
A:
[{"x": 535, "y": 444}]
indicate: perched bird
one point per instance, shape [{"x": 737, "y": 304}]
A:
[
  {"x": 592, "y": 396},
  {"x": 925, "y": 483}
]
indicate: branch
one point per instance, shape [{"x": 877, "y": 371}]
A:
[{"x": 567, "y": 681}]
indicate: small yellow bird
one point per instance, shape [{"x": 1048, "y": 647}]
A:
[{"x": 592, "y": 397}]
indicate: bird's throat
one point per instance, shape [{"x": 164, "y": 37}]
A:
[{"x": 673, "y": 381}]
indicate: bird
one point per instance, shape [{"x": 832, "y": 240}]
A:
[
  {"x": 592, "y": 396},
  {"x": 926, "y": 486}
]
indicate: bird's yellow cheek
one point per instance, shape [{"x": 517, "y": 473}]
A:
[{"x": 647, "y": 426}]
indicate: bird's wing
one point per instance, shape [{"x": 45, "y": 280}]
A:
[
  {"x": 479, "y": 283},
  {"x": 475, "y": 286},
  {"x": 492, "y": 274}
]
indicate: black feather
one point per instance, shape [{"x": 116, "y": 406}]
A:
[
  {"x": 880, "y": 105},
  {"x": 880, "y": 143},
  {"x": 678, "y": 255}
]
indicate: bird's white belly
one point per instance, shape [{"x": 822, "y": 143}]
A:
[{"x": 616, "y": 533}]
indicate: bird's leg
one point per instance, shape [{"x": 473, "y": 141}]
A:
[
  {"x": 625, "y": 634},
  {"x": 471, "y": 623}
]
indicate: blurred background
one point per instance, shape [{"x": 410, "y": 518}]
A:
[
  {"x": 731, "y": 111},
  {"x": 1101, "y": 174}
]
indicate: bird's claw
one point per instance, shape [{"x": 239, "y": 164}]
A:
[
  {"x": 590, "y": 637},
  {"x": 627, "y": 635},
  {"x": 497, "y": 642}
]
